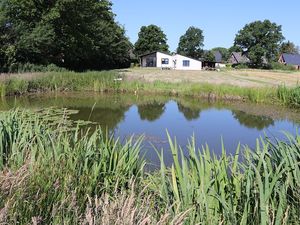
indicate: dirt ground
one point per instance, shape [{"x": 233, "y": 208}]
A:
[{"x": 242, "y": 78}]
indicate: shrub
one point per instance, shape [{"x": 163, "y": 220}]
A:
[
  {"x": 31, "y": 68},
  {"x": 279, "y": 66}
]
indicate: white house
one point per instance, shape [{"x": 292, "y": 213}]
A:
[{"x": 164, "y": 60}]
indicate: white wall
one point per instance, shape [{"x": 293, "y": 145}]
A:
[
  {"x": 160, "y": 56},
  {"x": 194, "y": 64},
  {"x": 220, "y": 65}
]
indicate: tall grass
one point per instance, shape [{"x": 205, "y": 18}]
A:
[
  {"x": 260, "y": 187},
  {"x": 289, "y": 96},
  {"x": 57, "y": 167},
  {"x": 106, "y": 81},
  {"x": 54, "y": 172}
]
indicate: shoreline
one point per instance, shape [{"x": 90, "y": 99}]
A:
[{"x": 105, "y": 82}]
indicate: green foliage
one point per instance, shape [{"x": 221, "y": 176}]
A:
[
  {"x": 57, "y": 171},
  {"x": 16, "y": 86},
  {"x": 62, "y": 165},
  {"x": 224, "y": 52},
  {"x": 289, "y": 47},
  {"x": 32, "y": 68},
  {"x": 151, "y": 39},
  {"x": 280, "y": 66},
  {"x": 77, "y": 35},
  {"x": 209, "y": 56},
  {"x": 262, "y": 187},
  {"x": 289, "y": 96},
  {"x": 260, "y": 39},
  {"x": 191, "y": 43}
]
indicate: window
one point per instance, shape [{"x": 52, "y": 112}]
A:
[
  {"x": 186, "y": 63},
  {"x": 165, "y": 61}
]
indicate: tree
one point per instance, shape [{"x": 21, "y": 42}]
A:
[
  {"x": 151, "y": 39},
  {"x": 191, "y": 43},
  {"x": 209, "y": 56},
  {"x": 224, "y": 52},
  {"x": 288, "y": 47},
  {"x": 259, "y": 40},
  {"x": 76, "y": 34}
]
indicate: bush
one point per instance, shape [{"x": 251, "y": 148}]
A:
[
  {"x": 240, "y": 66},
  {"x": 16, "y": 86},
  {"x": 279, "y": 66},
  {"x": 31, "y": 68}
]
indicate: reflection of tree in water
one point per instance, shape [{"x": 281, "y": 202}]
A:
[
  {"x": 151, "y": 111},
  {"x": 189, "y": 113},
  {"x": 252, "y": 121},
  {"x": 107, "y": 118}
]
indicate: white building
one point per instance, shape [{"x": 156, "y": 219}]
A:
[{"x": 163, "y": 60}]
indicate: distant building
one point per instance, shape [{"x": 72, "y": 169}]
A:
[
  {"x": 290, "y": 59},
  {"x": 167, "y": 61},
  {"x": 216, "y": 63},
  {"x": 219, "y": 59},
  {"x": 238, "y": 58}
]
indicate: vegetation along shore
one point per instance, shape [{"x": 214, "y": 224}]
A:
[
  {"x": 120, "y": 81},
  {"x": 54, "y": 171}
]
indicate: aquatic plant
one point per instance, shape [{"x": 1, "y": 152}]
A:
[{"x": 54, "y": 171}]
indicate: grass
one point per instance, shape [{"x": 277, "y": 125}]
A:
[
  {"x": 57, "y": 171},
  {"x": 106, "y": 82}
]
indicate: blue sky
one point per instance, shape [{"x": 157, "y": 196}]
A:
[{"x": 220, "y": 20}]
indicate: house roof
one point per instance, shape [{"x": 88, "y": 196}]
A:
[
  {"x": 291, "y": 59},
  {"x": 150, "y": 53},
  {"x": 218, "y": 56},
  {"x": 240, "y": 57},
  {"x": 189, "y": 57}
]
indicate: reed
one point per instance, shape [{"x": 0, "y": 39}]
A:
[{"x": 57, "y": 171}]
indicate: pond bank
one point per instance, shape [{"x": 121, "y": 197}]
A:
[
  {"x": 51, "y": 175},
  {"x": 111, "y": 82}
]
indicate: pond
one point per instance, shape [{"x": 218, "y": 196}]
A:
[{"x": 152, "y": 116}]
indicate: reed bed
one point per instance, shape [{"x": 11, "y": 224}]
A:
[{"x": 57, "y": 171}]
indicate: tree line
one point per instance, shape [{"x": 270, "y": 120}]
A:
[
  {"x": 75, "y": 34},
  {"x": 83, "y": 35},
  {"x": 260, "y": 41}
]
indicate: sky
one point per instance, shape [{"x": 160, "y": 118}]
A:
[{"x": 220, "y": 20}]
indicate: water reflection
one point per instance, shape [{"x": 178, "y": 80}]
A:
[
  {"x": 108, "y": 118},
  {"x": 252, "y": 121},
  {"x": 125, "y": 115},
  {"x": 188, "y": 112},
  {"x": 151, "y": 111}
]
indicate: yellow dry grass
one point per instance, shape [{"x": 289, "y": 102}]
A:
[{"x": 242, "y": 78}]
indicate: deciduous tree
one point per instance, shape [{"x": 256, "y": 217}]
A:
[
  {"x": 259, "y": 40},
  {"x": 191, "y": 43},
  {"x": 289, "y": 47},
  {"x": 76, "y": 34},
  {"x": 151, "y": 38}
]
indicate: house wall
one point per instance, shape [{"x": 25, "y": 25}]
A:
[
  {"x": 161, "y": 56},
  {"x": 147, "y": 59},
  {"x": 194, "y": 64},
  {"x": 220, "y": 65}
]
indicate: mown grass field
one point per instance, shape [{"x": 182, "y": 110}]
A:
[{"x": 240, "y": 78}]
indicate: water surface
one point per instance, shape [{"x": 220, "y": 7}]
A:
[{"x": 153, "y": 116}]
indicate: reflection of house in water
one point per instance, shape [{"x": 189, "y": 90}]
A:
[
  {"x": 189, "y": 113},
  {"x": 151, "y": 111},
  {"x": 252, "y": 121}
]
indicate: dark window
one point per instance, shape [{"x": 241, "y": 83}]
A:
[
  {"x": 186, "y": 63},
  {"x": 165, "y": 61}
]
